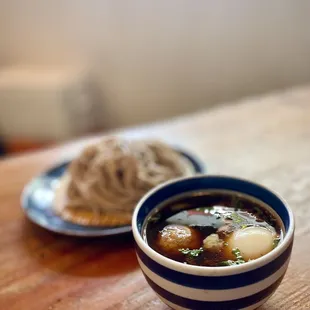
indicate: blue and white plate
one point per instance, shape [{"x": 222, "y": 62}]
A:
[{"x": 37, "y": 199}]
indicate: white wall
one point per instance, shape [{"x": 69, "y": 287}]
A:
[{"x": 158, "y": 58}]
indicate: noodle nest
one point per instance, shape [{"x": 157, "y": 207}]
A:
[{"x": 103, "y": 185}]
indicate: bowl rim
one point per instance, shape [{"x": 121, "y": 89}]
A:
[{"x": 207, "y": 270}]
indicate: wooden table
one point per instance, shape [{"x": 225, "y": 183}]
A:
[{"x": 265, "y": 139}]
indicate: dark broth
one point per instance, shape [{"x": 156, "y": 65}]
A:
[{"x": 217, "y": 215}]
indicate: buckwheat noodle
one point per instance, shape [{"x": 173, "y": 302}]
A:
[{"x": 112, "y": 175}]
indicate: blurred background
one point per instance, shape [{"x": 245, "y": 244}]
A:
[{"x": 73, "y": 67}]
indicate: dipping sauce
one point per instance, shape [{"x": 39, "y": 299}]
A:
[{"x": 213, "y": 228}]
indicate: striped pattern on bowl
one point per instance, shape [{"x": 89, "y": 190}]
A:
[{"x": 183, "y": 286}]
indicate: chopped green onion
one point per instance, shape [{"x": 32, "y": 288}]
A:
[
  {"x": 239, "y": 259},
  {"x": 193, "y": 253},
  {"x": 276, "y": 242}
]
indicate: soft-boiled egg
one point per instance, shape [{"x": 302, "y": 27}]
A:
[{"x": 253, "y": 242}]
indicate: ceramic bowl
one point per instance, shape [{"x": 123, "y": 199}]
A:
[{"x": 183, "y": 286}]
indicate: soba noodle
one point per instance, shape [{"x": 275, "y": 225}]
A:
[{"x": 112, "y": 175}]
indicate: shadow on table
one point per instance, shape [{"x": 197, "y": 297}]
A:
[{"x": 82, "y": 257}]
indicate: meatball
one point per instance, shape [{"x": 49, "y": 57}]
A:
[
  {"x": 174, "y": 237},
  {"x": 213, "y": 243}
]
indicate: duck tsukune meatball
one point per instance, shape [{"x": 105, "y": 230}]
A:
[{"x": 174, "y": 237}]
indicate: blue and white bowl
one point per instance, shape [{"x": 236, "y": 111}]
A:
[{"x": 183, "y": 286}]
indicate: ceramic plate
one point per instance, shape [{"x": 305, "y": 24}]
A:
[{"x": 38, "y": 195}]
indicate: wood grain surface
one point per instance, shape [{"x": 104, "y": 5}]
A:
[{"x": 265, "y": 139}]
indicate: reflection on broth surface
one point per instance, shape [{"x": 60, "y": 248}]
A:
[{"x": 213, "y": 229}]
